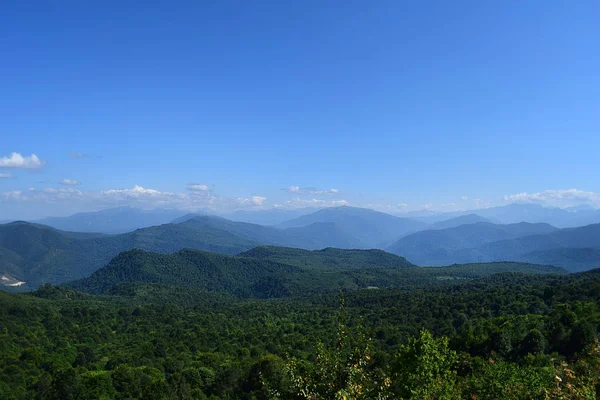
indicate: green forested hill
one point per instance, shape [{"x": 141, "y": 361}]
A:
[
  {"x": 329, "y": 258},
  {"x": 279, "y": 272},
  {"x": 37, "y": 254},
  {"x": 192, "y": 268}
]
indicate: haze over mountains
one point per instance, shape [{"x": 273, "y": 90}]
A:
[
  {"x": 126, "y": 219},
  {"x": 114, "y": 220},
  {"x": 31, "y": 254}
]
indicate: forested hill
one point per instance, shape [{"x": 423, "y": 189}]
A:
[
  {"x": 330, "y": 258},
  {"x": 36, "y": 254},
  {"x": 192, "y": 268},
  {"x": 280, "y": 272}
]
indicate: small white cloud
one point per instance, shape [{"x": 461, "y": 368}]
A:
[
  {"x": 293, "y": 189},
  {"x": 5, "y": 176},
  {"x": 311, "y": 191},
  {"x": 74, "y": 154},
  {"x": 556, "y": 198},
  {"x": 196, "y": 187},
  {"x": 136, "y": 191},
  {"x": 479, "y": 203},
  {"x": 464, "y": 198},
  {"x": 16, "y": 160},
  {"x": 302, "y": 203},
  {"x": 70, "y": 182},
  {"x": 12, "y": 195},
  {"x": 257, "y": 201}
]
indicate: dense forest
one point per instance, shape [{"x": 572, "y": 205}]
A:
[{"x": 505, "y": 336}]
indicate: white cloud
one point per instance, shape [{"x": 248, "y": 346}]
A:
[
  {"x": 16, "y": 160},
  {"x": 140, "y": 193},
  {"x": 74, "y": 154},
  {"x": 293, "y": 189},
  {"x": 196, "y": 187},
  {"x": 464, "y": 198},
  {"x": 70, "y": 182},
  {"x": 12, "y": 195},
  {"x": 388, "y": 208},
  {"x": 257, "y": 201},
  {"x": 556, "y": 198},
  {"x": 5, "y": 176},
  {"x": 302, "y": 203},
  {"x": 479, "y": 203},
  {"x": 311, "y": 191}
]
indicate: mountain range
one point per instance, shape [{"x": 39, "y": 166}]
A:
[
  {"x": 575, "y": 249},
  {"x": 31, "y": 254},
  {"x": 372, "y": 228},
  {"x": 114, "y": 220},
  {"x": 34, "y": 253},
  {"x": 126, "y": 219},
  {"x": 534, "y": 213}
]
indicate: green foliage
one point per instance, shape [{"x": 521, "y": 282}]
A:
[
  {"x": 504, "y": 336},
  {"x": 425, "y": 369},
  {"x": 341, "y": 371}
]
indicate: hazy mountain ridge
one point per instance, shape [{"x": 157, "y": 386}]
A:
[
  {"x": 372, "y": 228},
  {"x": 534, "y": 213},
  {"x": 437, "y": 246},
  {"x": 114, "y": 220},
  {"x": 458, "y": 221},
  {"x": 475, "y": 243},
  {"x": 36, "y": 253}
]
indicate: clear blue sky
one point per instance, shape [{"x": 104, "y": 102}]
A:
[{"x": 389, "y": 102}]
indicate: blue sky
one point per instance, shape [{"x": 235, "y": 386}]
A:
[{"x": 395, "y": 105}]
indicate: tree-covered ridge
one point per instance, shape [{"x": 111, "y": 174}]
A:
[
  {"x": 192, "y": 268},
  {"x": 506, "y": 336},
  {"x": 329, "y": 258},
  {"x": 281, "y": 272}
]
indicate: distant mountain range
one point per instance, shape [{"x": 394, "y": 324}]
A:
[
  {"x": 575, "y": 249},
  {"x": 114, "y": 220},
  {"x": 270, "y": 217},
  {"x": 372, "y": 228},
  {"x": 458, "y": 221},
  {"x": 33, "y": 253},
  {"x": 534, "y": 213}
]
